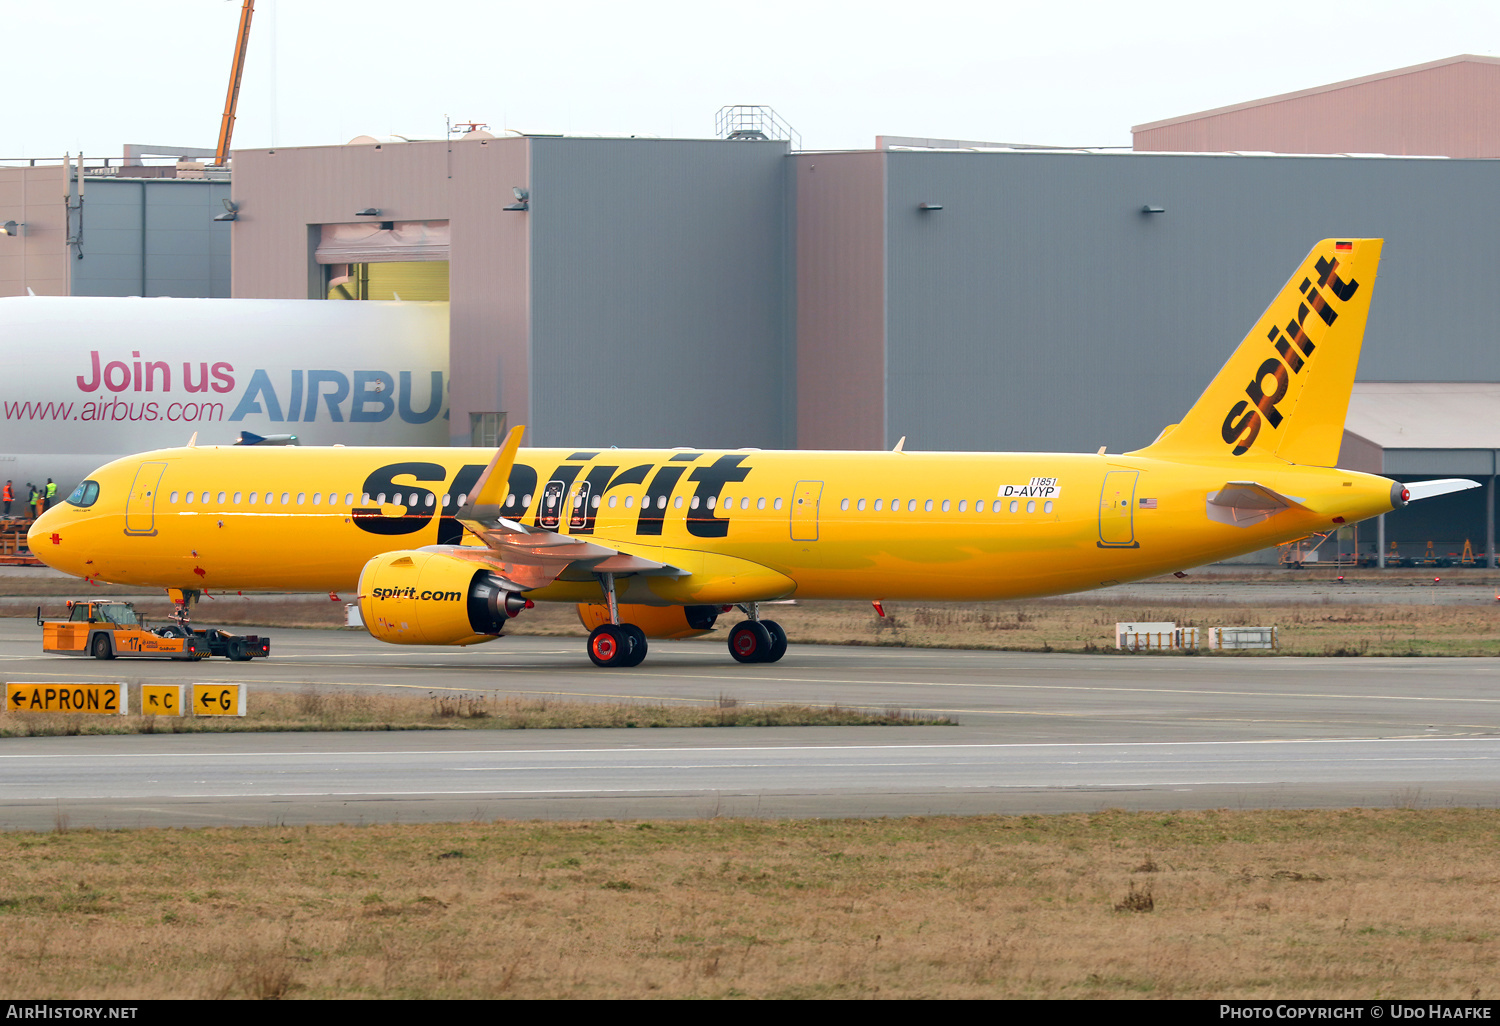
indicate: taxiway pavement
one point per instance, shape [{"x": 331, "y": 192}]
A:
[{"x": 1038, "y": 733}]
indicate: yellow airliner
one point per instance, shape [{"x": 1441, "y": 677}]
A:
[{"x": 446, "y": 544}]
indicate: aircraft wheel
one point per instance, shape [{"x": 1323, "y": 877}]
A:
[
  {"x": 637, "y": 644},
  {"x": 235, "y": 649},
  {"x": 609, "y": 645},
  {"x": 750, "y": 642},
  {"x": 778, "y": 640},
  {"x": 102, "y": 649}
]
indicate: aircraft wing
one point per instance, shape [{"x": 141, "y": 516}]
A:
[
  {"x": 1242, "y": 503},
  {"x": 533, "y": 557}
]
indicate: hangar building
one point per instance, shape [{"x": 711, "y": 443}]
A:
[{"x": 119, "y": 226}]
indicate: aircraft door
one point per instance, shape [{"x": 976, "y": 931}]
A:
[
  {"x": 140, "y": 506},
  {"x": 580, "y": 514},
  {"x": 1117, "y": 510},
  {"x": 549, "y": 512},
  {"x": 805, "y": 497}
]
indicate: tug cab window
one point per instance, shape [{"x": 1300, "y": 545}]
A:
[{"x": 85, "y": 495}]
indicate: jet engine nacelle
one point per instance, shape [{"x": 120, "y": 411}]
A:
[
  {"x": 655, "y": 621},
  {"x": 426, "y": 598}
]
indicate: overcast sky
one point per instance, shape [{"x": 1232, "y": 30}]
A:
[{"x": 94, "y": 74}]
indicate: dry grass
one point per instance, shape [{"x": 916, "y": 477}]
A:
[
  {"x": 1351, "y": 904},
  {"x": 1088, "y": 625},
  {"x": 1082, "y": 624},
  {"x": 317, "y": 709}
]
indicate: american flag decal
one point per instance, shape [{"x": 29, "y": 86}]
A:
[{"x": 1148, "y": 504}]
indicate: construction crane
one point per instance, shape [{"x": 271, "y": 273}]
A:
[{"x": 236, "y": 69}]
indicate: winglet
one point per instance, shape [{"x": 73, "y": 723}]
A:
[{"x": 489, "y": 490}]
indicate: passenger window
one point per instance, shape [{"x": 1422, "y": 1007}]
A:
[
  {"x": 728, "y": 503},
  {"x": 979, "y": 506},
  {"x": 1047, "y": 506},
  {"x": 594, "y": 502},
  {"x": 189, "y": 499},
  {"x": 446, "y": 499},
  {"x": 911, "y": 505},
  {"x": 947, "y": 505},
  {"x": 526, "y": 501},
  {"x": 379, "y": 499},
  {"x": 661, "y": 502},
  {"x": 174, "y": 498},
  {"x": 1031, "y": 506},
  {"x": 1014, "y": 505},
  {"x": 430, "y": 500},
  {"x": 711, "y": 499},
  {"x": 878, "y": 504},
  {"x": 612, "y": 500},
  {"x": 253, "y": 497},
  {"x": 629, "y": 501},
  {"x": 776, "y": 504},
  {"x": 222, "y": 497},
  {"x": 677, "y": 502},
  {"x": 760, "y": 503},
  {"x": 860, "y": 505},
  {"x": 317, "y": 498},
  {"x": 237, "y": 496},
  {"x": 963, "y": 505},
  {"x": 364, "y": 499},
  {"x": 286, "y": 498},
  {"x": 694, "y": 503},
  {"x": 844, "y": 504},
  {"x": 301, "y": 498},
  {"x": 927, "y": 506}
]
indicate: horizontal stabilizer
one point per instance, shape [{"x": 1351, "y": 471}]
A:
[
  {"x": 1429, "y": 489},
  {"x": 1242, "y": 503}
]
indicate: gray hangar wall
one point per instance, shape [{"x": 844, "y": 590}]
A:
[
  {"x": 660, "y": 297},
  {"x": 153, "y": 237},
  {"x": 1041, "y": 309}
]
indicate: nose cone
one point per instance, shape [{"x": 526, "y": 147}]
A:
[{"x": 47, "y": 540}]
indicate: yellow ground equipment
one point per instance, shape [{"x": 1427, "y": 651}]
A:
[{"x": 106, "y": 630}]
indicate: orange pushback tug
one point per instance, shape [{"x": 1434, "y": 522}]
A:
[{"x": 106, "y": 630}]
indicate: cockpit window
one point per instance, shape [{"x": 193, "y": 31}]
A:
[{"x": 85, "y": 494}]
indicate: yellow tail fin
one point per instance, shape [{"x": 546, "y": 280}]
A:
[{"x": 1285, "y": 391}]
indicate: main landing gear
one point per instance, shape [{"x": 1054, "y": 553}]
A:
[
  {"x": 616, "y": 643},
  {"x": 756, "y": 640},
  {"x": 624, "y": 644}
]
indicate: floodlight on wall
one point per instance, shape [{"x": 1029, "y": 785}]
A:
[
  {"x": 522, "y": 199},
  {"x": 924, "y": 207},
  {"x": 231, "y": 210},
  {"x": 1149, "y": 209},
  {"x": 368, "y": 212},
  {"x": 12, "y": 228}
]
